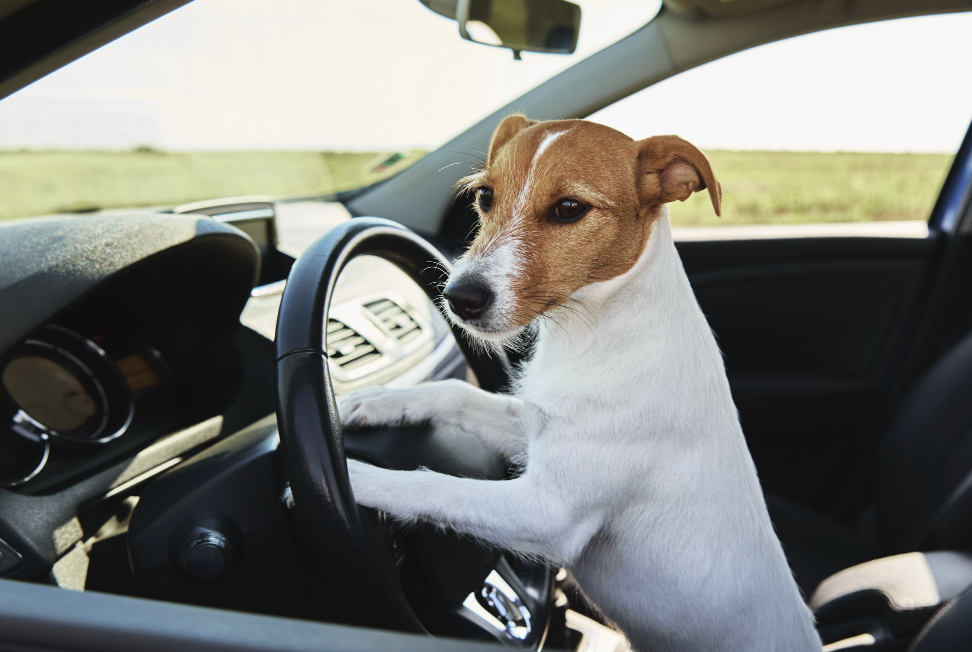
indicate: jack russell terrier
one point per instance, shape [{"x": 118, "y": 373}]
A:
[{"x": 636, "y": 474}]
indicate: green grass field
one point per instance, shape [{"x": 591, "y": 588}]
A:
[
  {"x": 37, "y": 183},
  {"x": 758, "y": 187},
  {"x": 807, "y": 187}
]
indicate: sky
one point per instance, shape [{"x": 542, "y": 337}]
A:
[
  {"x": 392, "y": 75},
  {"x": 899, "y": 86}
]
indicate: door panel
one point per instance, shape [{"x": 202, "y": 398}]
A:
[{"x": 810, "y": 329}]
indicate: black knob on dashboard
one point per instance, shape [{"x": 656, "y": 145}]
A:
[{"x": 206, "y": 554}]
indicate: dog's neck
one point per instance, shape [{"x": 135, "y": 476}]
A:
[
  {"x": 653, "y": 272},
  {"x": 643, "y": 326},
  {"x": 652, "y": 299}
]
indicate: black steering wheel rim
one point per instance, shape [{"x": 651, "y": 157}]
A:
[{"x": 311, "y": 436}]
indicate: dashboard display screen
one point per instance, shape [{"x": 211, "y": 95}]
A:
[{"x": 138, "y": 373}]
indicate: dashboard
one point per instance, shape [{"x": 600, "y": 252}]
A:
[
  {"x": 136, "y": 342},
  {"x": 151, "y": 349}
]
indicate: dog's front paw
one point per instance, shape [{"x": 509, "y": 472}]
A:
[
  {"x": 360, "y": 475},
  {"x": 383, "y": 407}
]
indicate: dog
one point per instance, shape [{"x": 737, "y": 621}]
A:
[{"x": 636, "y": 475}]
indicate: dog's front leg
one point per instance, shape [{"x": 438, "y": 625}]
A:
[
  {"x": 494, "y": 418},
  {"x": 514, "y": 515}
]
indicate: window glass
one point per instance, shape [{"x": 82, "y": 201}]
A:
[
  {"x": 285, "y": 98},
  {"x": 858, "y": 124}
]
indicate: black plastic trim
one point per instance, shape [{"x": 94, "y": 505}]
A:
[{"x": 34, "y": 617}]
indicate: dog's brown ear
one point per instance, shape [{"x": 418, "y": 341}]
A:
[
  {"x": 671, "y": 168},
  {"x": 511, "y": 126}
]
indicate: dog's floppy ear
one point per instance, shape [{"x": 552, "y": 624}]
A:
[
  {"x": 511, "y": 126},
  {"x": 671, "y": 168}
]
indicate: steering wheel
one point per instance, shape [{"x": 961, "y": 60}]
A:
[{"x": 372, "y": 565}]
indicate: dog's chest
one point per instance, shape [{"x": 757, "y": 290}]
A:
[{"x": 575, "y": 372}]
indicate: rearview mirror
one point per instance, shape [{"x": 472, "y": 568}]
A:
[{"x": 521, "y": 25}]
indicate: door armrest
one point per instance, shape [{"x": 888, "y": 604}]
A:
[{"x": 901, "y": 592}]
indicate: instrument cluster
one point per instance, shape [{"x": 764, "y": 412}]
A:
[{"x": 61, "y": 391}]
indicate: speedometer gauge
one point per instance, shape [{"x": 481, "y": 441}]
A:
[
  {"x": 64, "y": 387},
  {"x": 49, "y": 392}
]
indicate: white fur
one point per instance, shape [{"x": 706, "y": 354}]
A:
[
  {"x": 494, "y": 418},
  {"x": 637, "y": 473}
]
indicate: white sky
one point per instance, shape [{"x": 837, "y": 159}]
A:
[
  {"x": 901, "y": 85},
  {"x": 390, "y": 74}
]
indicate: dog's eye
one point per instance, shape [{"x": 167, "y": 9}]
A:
[
  {"x": 484, "y": 197},
  {"x": 568, "y": 210}
]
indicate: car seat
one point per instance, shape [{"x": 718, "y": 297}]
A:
[{"x": 922, "y": 483}]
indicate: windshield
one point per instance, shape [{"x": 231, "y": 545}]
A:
[{"x": 247, "y": 97}]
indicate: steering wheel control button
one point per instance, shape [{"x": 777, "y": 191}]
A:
[{"x": 10, "y": 559}]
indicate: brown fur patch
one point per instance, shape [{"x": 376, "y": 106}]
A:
[
  {"x": 506, "y": 129},
  {"x": 672, "y": 169},
  {"x": 625, "y": 182}
]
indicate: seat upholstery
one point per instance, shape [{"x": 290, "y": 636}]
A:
[
  {"x": 922, "y": 489},
  {"x": 950, "y": 630},
  {"x": 816, "y": 546},
  {"x": 922, "y": 482}
]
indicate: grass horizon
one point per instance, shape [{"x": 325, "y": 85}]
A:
[{"x": 759, "y": 186}]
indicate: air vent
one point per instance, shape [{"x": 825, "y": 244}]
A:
[
  {"x": 348, "y": 349},
  {"x": 395, "y": 319}
]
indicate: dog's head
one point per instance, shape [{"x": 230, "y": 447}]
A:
[{"x": 562, "y": 204}]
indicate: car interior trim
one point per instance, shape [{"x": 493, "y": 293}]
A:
[
  {"x": 42, "y": 441},
  {"x": 169, "y": 447},
  {"x": 954, "y": 199},
  {"x": 51, "y": 619}
]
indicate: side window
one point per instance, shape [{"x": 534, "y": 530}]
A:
[{"x": 858, "y": 124}]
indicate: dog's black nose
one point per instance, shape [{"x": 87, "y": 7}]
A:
[{"x": 468, "y": 297}]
